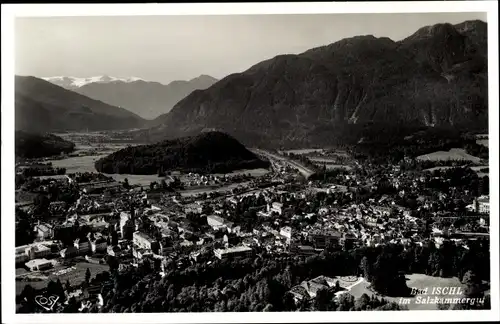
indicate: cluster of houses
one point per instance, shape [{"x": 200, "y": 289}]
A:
[{"x": 131, "y": 226}]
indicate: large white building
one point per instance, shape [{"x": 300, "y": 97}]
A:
[
  {"x": 38, "y": 264},
  {"x": 234, "y": 252},
  {"x": 215, "y": 221},
  {"x": 37, "y": 251},
  {"x": 483, "y": 205},
  {"x": 44, "y": 231},
  {"x": 275, "y": 207},
  {"x": 286, "y": 232}
]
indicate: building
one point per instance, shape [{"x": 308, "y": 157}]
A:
[
  {"x": 286, "y": 232},
  {"x": 231, "y": 240},
  {"x": 166, "y": 246},
  {"x": 38, "y": 264},
  {"x": 234, "y": 252},
  {"x": 113, "y": 250},
  {"x": 215, "y": 221},
  {"x": 83, "y": 246},
  {"x": 98, "y": 225},
  {"x": 69, "y": 252},
  {"x": 386, "y": 211},
  {"x": 93, "y": 260},
  {"x": 322, "y": 238},
  {"x": 276, "y": 207},
  {"x": 98, "y": 245},
  {"x": 127, "y": 226},
  {"x": 21, "y": 256},
  {"x": 483, "y": 205},
  {"x": 348, "y": 241},
  {"x": 194, "y": 208},
  {"x": 309, "y": 289},
  {"x": 37, "y": 251},
  {"x": 44, "y": 231},
  {"x": 144, "y": 241},
  {"x": 302, "y": 250}
]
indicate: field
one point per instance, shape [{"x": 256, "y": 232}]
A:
[
  {"x": 77, "y": 164},
  {"x": 252, "y": 172},
  {"x": 302, "y": 151},
  {"x": 75, "y": 275},
  {"x": 418, "y": 281},
  {"x": 484, "y": 142},
  {"x": 453, "y": 154}
]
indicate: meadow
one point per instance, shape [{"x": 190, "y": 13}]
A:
[
  {"x": 453, "y": 154},
  {"x": 75, "y": 274},
  {"x": 418, "y": 281}
]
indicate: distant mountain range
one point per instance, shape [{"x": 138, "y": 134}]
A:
[
  {"x": 41, "y": 106},
  {"x": 436, "y": 77},
  {"x": 144, "y": 98},
  {"x": 72, "y": 83}
]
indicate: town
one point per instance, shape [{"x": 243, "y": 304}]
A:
[{"x": 77, "y": 228}]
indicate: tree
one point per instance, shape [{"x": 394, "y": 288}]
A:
[
  {"x": 387, "y": 278},
  {"x": 346, "y": 302},
  {"x": 60, "y": 290},
  {"x": 362, "y": 302},
  {"x": 443, "y": 306},
  {"x": 366, "y": 267},
  {"x": 41, "y": 205},
  {"x": 87, "y": 275},
  {"x": 114, "y": 238},
  {"x": 322, "y": 300},
  {"x": 289, "y": 303},
  {"x": 68, "y": 287},
  {"x": 473, "y": 284}
]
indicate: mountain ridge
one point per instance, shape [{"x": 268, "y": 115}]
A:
[
  {"x": 41, "y": 106},
  {"x": 434, "y": 77},
  {"x": 145, "y": 98}
]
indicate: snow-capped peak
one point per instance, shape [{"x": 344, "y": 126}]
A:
[{"x": 76, "y": 82}]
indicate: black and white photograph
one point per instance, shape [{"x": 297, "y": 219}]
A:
[{"x": 250, "y": 165}]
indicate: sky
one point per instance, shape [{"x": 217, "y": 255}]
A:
[{"x": 167, "y": 48}]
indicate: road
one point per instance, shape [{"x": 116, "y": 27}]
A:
[{"x": 306, "y": 172}]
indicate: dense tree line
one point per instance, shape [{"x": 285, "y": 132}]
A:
[
  {"x": 261, "y": 283},
  {"x": 24, "y": 227},
  {"x": 478, "y": 150},
  {"x": 460, "y": 178},
  {"x": 36, "y": 172}
]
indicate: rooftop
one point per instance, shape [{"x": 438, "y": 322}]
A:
[
  {"x": 35, "y": 262},
  {"x": 236, "y": 249}
]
